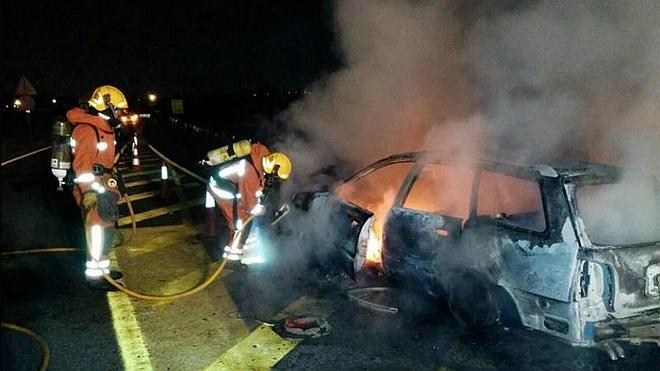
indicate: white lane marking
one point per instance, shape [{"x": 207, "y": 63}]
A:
[{"x": 134, "y": 352}]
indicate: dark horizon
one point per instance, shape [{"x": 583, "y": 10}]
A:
[{"x": 217, "y": 48}]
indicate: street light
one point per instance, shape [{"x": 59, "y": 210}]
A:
[
  {"x": 17, "y": 103},
  {"x": 152, "y": 97}
]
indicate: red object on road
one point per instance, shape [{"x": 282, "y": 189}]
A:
[{"x": 302, "y": 327}]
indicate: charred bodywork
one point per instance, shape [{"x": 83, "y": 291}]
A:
[{"x": 513, "y": 233}]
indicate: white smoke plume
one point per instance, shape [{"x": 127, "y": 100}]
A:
[
  {"x": 532, "y": 81},
  {"x": 402, "y": 75},
  {"x": 580, "y": 80},
  {"x": 571, "y": 78}
]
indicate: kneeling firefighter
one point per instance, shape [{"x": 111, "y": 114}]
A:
[
  {"x": 95, "y": 189},
  {"x": 243, "y": 183}
]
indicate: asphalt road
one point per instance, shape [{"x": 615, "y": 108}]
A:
[{"x": 47, "y": 293}]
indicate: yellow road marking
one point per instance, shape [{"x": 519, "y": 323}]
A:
[
  {"x": 138, "y": 196},
  {"x": 142, "y": 159},
  {"x": 159, "y": 212},
  {"x": 141, "y": 182},
  {"x": 143, "y": 172},
  {"x": 134, "y": 352},
  {"x": 128, "y": 169},
  {"x": 258, "y": 351},
  {"x": 263, "y": 348},
  {"x": 143, "y": 195},
  {"x": 186, "y": 334}
]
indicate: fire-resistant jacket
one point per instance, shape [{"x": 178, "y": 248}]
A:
[
  {"x": 249, "y": 178},
  {"x": 93, "y": 142}
]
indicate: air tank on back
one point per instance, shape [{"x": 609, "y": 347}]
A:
[{"x": 60, "y": 158}]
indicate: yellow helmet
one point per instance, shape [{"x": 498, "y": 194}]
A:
[
  {"x": 279, "y": 163},
  {"x": 107, "y": 94}
]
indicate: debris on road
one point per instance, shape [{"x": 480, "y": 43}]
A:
[
  {"x": 375, "y": 298},
  {"x": 302, "y": 327}
]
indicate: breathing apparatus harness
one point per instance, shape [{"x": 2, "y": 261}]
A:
[
  {"x": 228, "y": 155},
  {"x": 63, "y": 149}
]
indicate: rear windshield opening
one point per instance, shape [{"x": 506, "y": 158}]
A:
[{"x": 623, "y": 213}]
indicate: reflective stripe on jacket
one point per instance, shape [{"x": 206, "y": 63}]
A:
[{"x": 88, "y": 149}]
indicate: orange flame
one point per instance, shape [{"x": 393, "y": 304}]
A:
[
  {"x": 374, "y": 247},
  {"x": 375, "y": 243}
]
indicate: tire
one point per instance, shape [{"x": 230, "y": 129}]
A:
[{"x": 472, "y": 301}]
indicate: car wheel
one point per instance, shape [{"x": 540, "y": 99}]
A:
[{"x": 472, "y": 301}]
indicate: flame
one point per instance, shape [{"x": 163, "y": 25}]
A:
[
  {"x": 374, "y": 247},
  {"x": 375, "y": 195},
  {"x": 374, "y": 243}
]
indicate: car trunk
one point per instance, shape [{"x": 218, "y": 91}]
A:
[
  {"x": 634, "y": 274},
  {"x": 618, "y": 225}
]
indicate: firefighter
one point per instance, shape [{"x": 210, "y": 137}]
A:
[
  {"x": 95, "y": 189},
  {"x": 242, "y": 179}
]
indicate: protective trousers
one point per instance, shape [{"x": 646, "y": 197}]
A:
[
  {"x": 234, "y": 191},
  {"x": 98, "y": 221}
]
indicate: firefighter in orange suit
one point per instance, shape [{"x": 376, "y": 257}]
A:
[
  {"x": 238, "y": 184},
  {"x": 95, "y": 189}
]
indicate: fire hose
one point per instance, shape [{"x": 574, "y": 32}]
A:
[
  {"x": 183, "y": 294},
  {"x": 45, "y": 358},
  {"x": 126, "y": 199},
  {"x": 121, "y": 287},
  {"x": 42, "y": 343},
  {"x": 45, "y": 351}
]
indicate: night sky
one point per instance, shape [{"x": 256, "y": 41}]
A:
[{"x": 188, "y": 47}]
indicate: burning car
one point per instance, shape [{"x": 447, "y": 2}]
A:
[{"x": 496, "y": 239}]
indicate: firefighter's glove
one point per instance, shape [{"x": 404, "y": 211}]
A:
[{"x": 89, "y": 201}]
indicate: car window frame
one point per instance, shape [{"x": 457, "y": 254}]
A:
[
  {"x": 420, "y": 159},
  {"x": 408, "y": 184},
  {"x": 391, "y": 160},
  {"x": 481, "y": 221}
]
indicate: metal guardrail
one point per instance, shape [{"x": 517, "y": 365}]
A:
[
  {"x": 166, "y": 159},
  {"x": 24, "y": 156},
  {"x": 165, "y": 210}
]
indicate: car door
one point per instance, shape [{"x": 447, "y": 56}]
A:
[
  {"x": 520, "y": 225},
  {"x": 335, "y": 219},
  {"x": 425, "y": 222}
]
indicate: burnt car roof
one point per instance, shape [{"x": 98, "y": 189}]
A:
[{"x": 573, "y": 170}]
